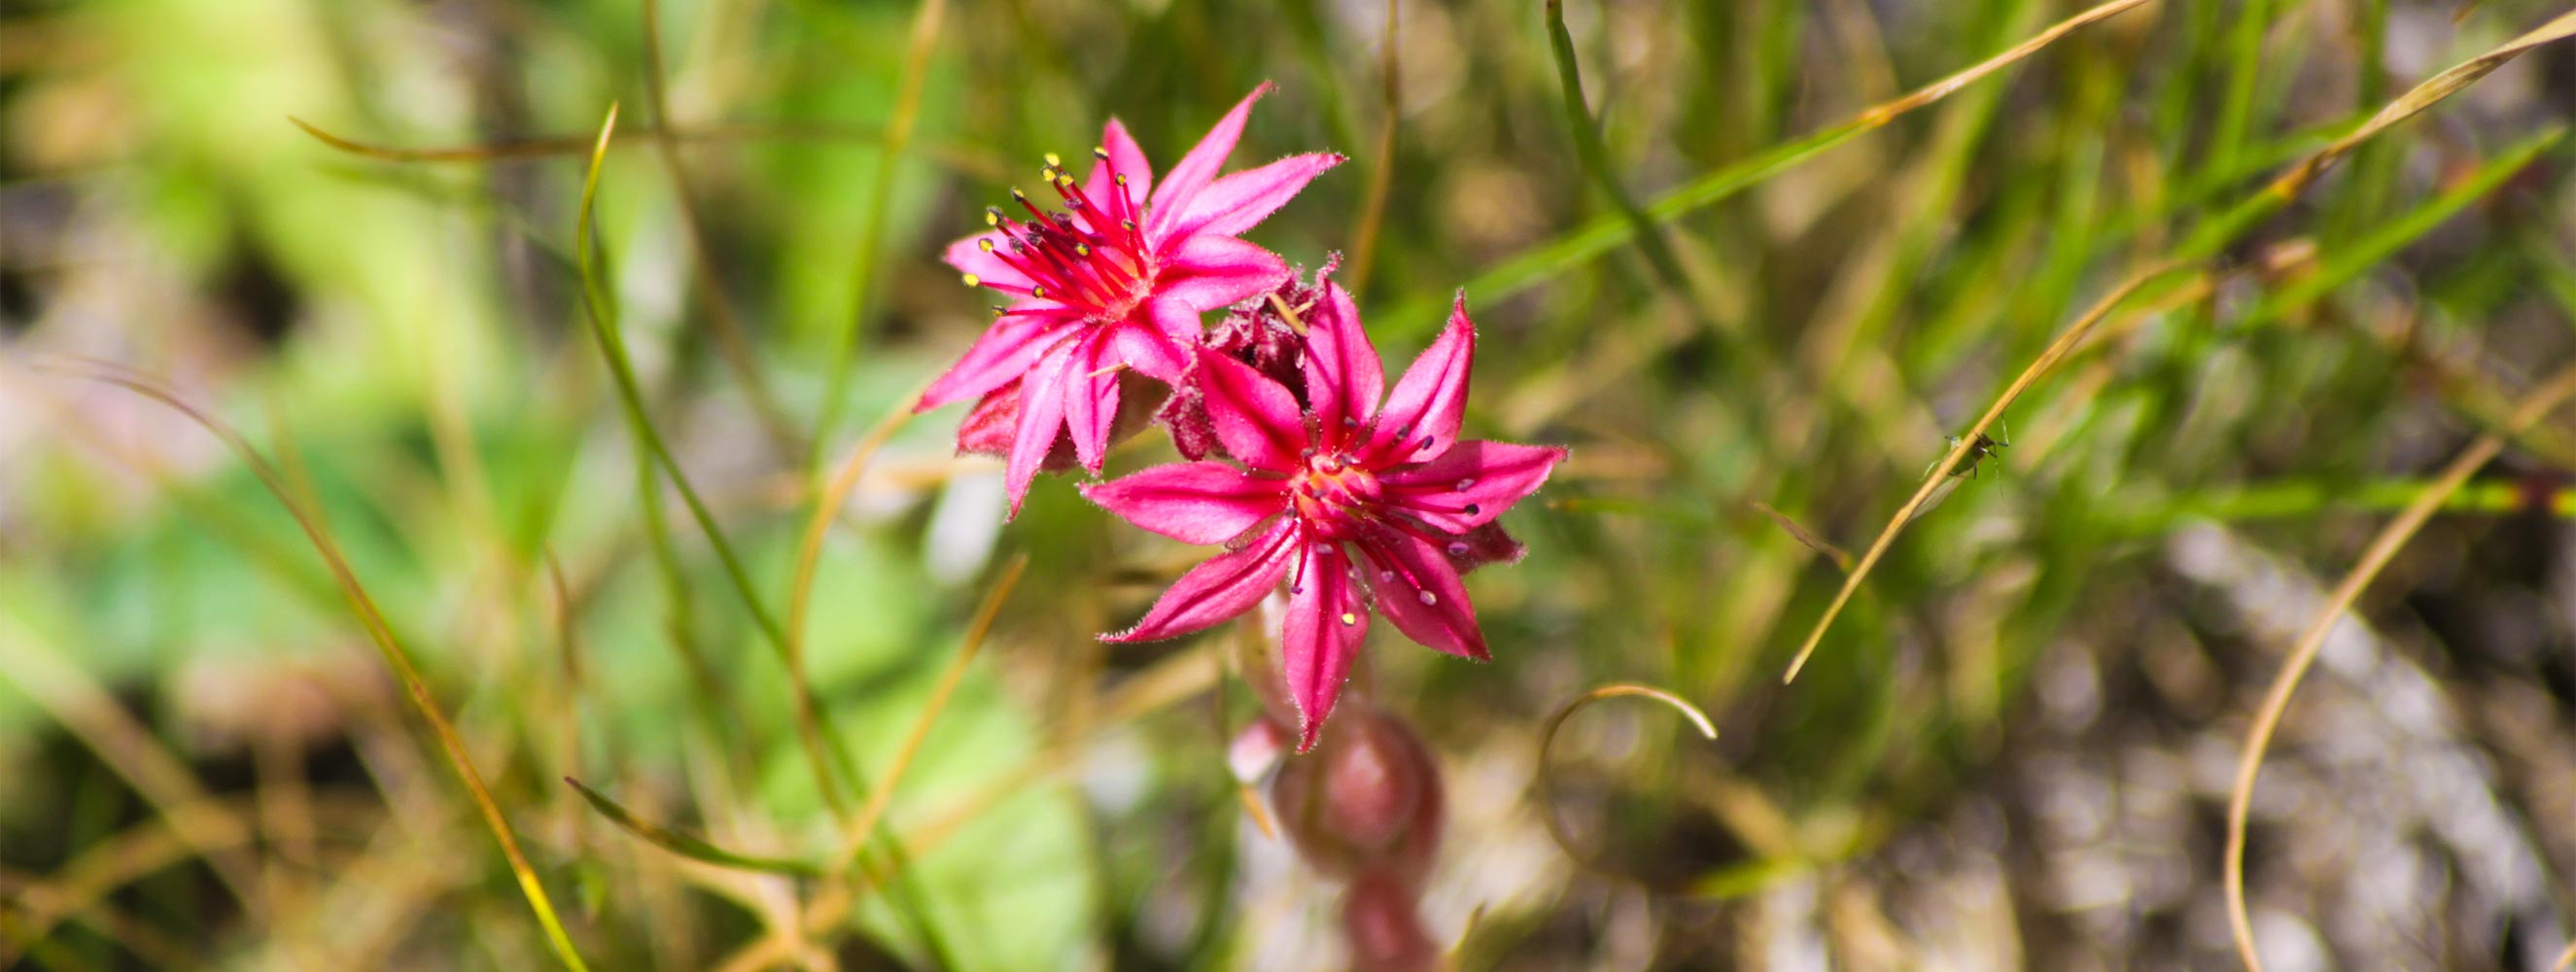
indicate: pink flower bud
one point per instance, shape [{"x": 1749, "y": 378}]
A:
[
  {"x": 1256, "y": 751},
  {"x": 1367, "y": 798},
  {"x": 1384, "y": 928}
]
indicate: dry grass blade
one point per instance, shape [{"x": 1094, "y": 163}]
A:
[
  {"x": 2382, "y": 549},
  {"x": 2421, "y": 97},
  {"x": 856, "y": 838},
  {"x": 684, "y": 845},
  {"x": 2566, "y": 959},
  {"x": 1885, "y": 112},
  {"x": 417, "y": 689},
  {"x": 2039, "y": 368},
  {"x": 1545, "y": 784}
]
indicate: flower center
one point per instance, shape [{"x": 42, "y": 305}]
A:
[
  {"x": 1334, "y": 494},
  {"x": 1090, "y": 256}
]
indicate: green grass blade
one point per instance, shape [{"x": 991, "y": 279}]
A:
[{"x": 685, "y": 845}]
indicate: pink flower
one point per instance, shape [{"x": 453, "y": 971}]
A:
[
  {"x": 1353, "y": 505},
  {"x": 1115, "y": 281}
]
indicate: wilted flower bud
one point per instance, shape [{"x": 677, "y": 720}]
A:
[{"x": 1367, "y": 798}]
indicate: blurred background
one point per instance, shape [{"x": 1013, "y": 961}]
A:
[{"x": 2013, "y": 750}]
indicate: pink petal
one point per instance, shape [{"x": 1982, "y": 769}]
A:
[
  {"x": 1421, "y": 415},
  {"x": 1192, "y": 502},
  {"x": 1124, "y": 159},
  {"x": 1325, "y": 627},
  {"x": 968, "y": 255},
  {"x": 1041, "y": 416},
  {"x": 1154, "y": 348},
  {"x": 1225, "y": 586},
  {"x": 1256, "y": 418},
  {"x": 1472, "y": 483},
  {"x": 1207, "y": 272},
  {"x": 1343, "y": 377},
  {"x": 1182, "y": 184},
  {"x": 1004, "y": 353},
  {"x": 1240, "y": 201},
  {"x": 1091, "y": 398},
  {"x": 1419, "y": 591}
]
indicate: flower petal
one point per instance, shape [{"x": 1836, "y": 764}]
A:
[
  {"x": 1343, "y": 377},
  {"x": 1124, "y": 159},
  {"x": 1325, "y": 627},
  {"x": 1421, "y": 415},
  {"x": 1005, "y": 352},
  {"x": 1223, "y": 587},
  {"x": 1192, "y": 502},
  {"x": 1419, "y": 591},
  {"x": 1241, "y": 200},
  {"x": 969, "y": 255},
  {"x": 1091, "y": 397},
  {"x": 1472, "y": 483},
  {"x": 1182, "y": 184},
  {"x": 1207, "y": 272},
  {"x": 1041, "y": 416},
  {"x": 1153, "y": 347},
  {"x": 1256, "y": 418}
]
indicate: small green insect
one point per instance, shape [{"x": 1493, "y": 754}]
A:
[{"x": 1983, "y": 449}]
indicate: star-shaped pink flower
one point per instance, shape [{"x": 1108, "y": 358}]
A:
[
  {"x": 1116, "y": 280},
  {"x": 1354, "y": 506}
]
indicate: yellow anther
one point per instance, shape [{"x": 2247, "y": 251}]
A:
[
  {"x": 974, "y": 281},
  {"x": 1100, "y": 153},
  {"x": 1053, "y": 160},
  {"x": 985, "y": 244},
  {"x": 1038, "y": 291}
]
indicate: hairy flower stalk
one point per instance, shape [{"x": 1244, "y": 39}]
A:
[
  {"x": 1354, "y": 506},
  {"x": 1113, "y": 281}
]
